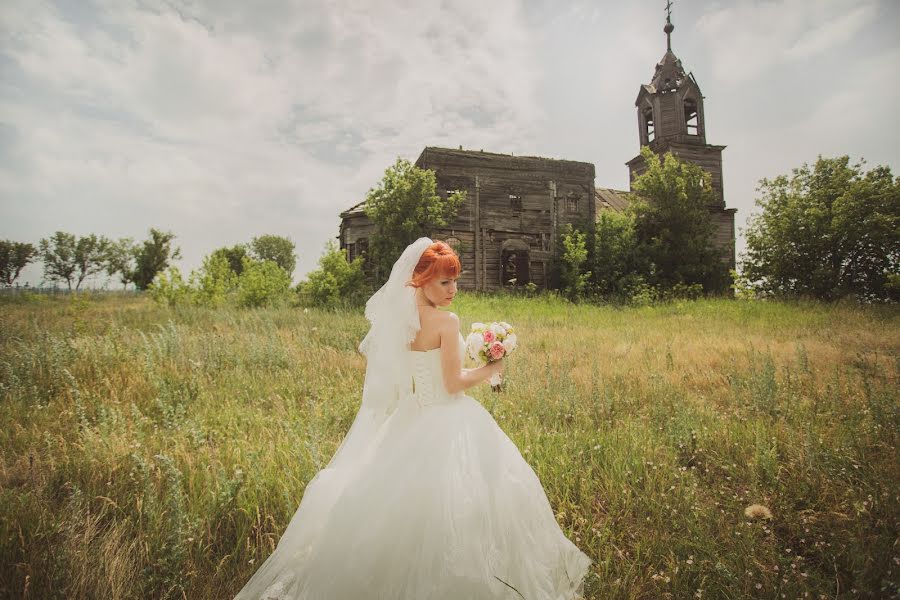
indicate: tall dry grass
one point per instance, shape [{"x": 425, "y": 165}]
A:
[{"x": 149, "y": 453}]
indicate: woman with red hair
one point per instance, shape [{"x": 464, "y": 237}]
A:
[
  {"x": 426, "y": 498},
  {"x": 434, "y": 278}
]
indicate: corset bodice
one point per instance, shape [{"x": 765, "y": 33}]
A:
[{"x": 428, "y": 378}]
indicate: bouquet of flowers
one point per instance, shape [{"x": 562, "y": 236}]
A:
[{"x": 489, "y": 343}]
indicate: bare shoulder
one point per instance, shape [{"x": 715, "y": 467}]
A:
[{"x": 449, "y": 323}]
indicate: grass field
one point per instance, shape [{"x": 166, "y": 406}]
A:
[{"x": 156, "y": 453}]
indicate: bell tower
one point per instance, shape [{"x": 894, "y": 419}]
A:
[{"x": 671, "y": 119}]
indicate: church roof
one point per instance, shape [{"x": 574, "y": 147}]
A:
[
  {"x": 356, "y": 209},
  {"x": 669, "y": 73},
  {"x": 511, "y": 161},
  {"x": 610, "y": 199}
]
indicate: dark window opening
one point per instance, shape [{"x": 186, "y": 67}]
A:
[
  {"x": 691, "y": 117},
  {"x": 515, "y": 265},
  {"x": 572, "y": 204},
  {"x": 515, "y": 202}
]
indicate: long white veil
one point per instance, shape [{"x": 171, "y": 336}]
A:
[{"x": 394, "y": 322}]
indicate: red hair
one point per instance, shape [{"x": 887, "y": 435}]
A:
[{"x": 438, "y": 260}]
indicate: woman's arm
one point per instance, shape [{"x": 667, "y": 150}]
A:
[{"x": 457, "y": 379}]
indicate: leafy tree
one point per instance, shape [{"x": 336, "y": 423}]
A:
[
  {"x": 336, "y": 281},
  {"x": 214, "y": 281},
  {"x": 262, "y": 283},
  {"x": 574, "y": 257},
  {"x": 91, "y": 253},
  {"x": 404, "y": 207},
  {"x": 277, "y": 249},
  {"x": 58, "y": 255},
  {"x": 673, "y": 227},
  {"x": 153, "y": 257},
  {"x": 120, "y": 260},
  {"x": 14, "y": 256},
  {"x": 616, "y": 270},
  {"x": 70, "y": 259},
  {"x": 234, "y": 255},
  {"x": 827, "y": 231}
]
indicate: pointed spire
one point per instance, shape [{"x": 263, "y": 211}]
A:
[
  {"x": 669, "y": 28},
  {"x": 669, "y": 72}
]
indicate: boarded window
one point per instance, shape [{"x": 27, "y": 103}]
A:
[{"x": 572, "y": 203}]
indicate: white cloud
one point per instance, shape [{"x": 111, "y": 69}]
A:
[
  {"x": 222, "y": 122},
  {"x": 746, "y": 38},
  {"x": 225, "y": 120}
]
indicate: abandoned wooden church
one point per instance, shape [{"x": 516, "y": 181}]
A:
[{"x": 505, "y": 232}]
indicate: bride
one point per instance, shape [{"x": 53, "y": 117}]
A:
[{"x": 426, "y": 498}]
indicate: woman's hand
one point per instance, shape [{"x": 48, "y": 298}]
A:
[{"x": 497, "y": 366}]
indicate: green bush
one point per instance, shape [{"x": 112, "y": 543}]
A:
[
  {"x": 336, "y": 282},
  {"x": 262, "y": 283},
  {"x": 574, "y": 258},
  {"x": 214, "y": 282},
  {"x": 170, "y": 288}
]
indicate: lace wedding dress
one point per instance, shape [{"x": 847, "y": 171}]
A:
[{"x": 442, "y": 507}]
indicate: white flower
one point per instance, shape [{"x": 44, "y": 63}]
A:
[
  {"x": 510, "y": 343},
  {"x": 498, "y": 329},
  {"x": 478, "y": 326},
  {"x": 474, "y": 343}
]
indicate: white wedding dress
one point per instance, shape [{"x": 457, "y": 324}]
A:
[{"x": 441, "y": 506}]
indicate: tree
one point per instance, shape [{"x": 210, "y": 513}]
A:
[
  {"x": 262, "y": 283},
  {"x": 214, "y": 281},
  {"x": 277, "y": 249},
  {"x": 826, "y": 232},
  {"x": 616, "y": 272},
  {"x": 336, "y": 281},
  {"x": 234, "y": 255},
  {"x": 14, "y": 256},
  {"x": 153, "y": 256},
  {"x": 575, "y": 254},
  {"x": 70, "y": 259},
  {"x": 120, "y": 260},
  {"x": 91, "y": 253},
  {"x": 403, "y": 208},
  {"x": 672, "y": 223},
  {"x": 58, "y": 255}
]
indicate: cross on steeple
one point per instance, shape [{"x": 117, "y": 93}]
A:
[{"x": 669, "y": 28}]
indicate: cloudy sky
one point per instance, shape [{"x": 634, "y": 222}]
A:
[{"x": 223, "y": 120}]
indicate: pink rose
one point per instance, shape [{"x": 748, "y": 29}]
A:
[
  {"x": 497, "y": 350},
  {"x": 489, "y": 336}
]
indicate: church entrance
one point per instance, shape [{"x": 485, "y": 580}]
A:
[{"x": 514, "y": 263}]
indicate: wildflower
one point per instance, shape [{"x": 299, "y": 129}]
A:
[{"x": 757, "y": 511}]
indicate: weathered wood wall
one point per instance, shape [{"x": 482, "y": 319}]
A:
[{"x": 549, "y": 192}]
